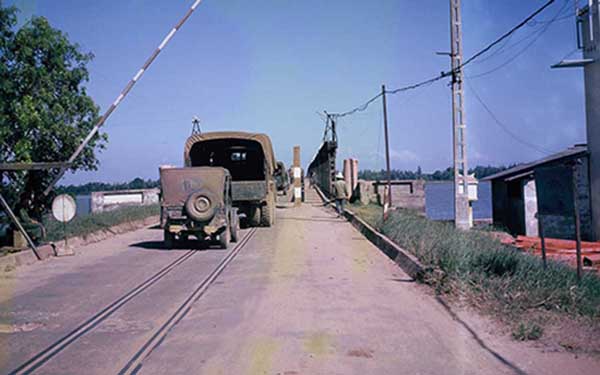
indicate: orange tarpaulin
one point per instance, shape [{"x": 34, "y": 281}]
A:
[{"x": 563, "y": 250}]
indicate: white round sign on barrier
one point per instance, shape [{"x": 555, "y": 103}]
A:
[{"x": 64, "y": 208}]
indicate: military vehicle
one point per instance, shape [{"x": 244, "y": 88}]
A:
[
  {"x": 250, "y": 159},
  {"x": 197, "y": 201}
]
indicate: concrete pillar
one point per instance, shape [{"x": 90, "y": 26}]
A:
[
  {"x": 348, "y": 175},
  {"x": 531, "y": 208},
  {"x": 297, "y": 174},
  {"x": 354, "y": 173},
  {"x": 591, "y": 50}
]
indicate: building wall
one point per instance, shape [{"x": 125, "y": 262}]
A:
[
  {"x": 562, "y": 225},
  {"x": 110, "y": 200},
  {"x": 499, "y": 197},
  {"x": 408, "y": 194}
]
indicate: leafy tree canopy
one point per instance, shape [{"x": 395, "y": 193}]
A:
[
  {"x": 445, "y": 175},
  {"x": 45, "y": 111},
  {"x": 136, "y": 183}
]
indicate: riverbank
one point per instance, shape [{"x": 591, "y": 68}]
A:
[{"x": 474, "y": 269}]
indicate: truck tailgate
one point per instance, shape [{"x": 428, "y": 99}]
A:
[{"x": 248, "y": 190}]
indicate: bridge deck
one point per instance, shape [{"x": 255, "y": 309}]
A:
[{"x": 309, "y": 296}]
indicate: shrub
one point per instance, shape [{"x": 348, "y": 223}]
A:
[
  {"x": 474, "y": 263},
  {"x": 81, "y": 225}
]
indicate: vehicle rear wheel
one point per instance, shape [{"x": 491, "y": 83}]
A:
[
  {"x": 169, "y": 239},
  {"x": 224, "y": 238},
  {"x": 235, "y": 227},
  {"x": 267, "y": 212},
  {"x": 254, "y": 216}
]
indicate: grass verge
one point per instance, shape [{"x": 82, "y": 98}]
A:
[
  {"x": 82, "y": 225},
  {"x": 507, "y": 282}
]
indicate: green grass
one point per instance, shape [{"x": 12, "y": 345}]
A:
[
  {"x": 82, "y": 225},
  {"x": 527, "y": 332},
  {"x": 506, "y": 281}
]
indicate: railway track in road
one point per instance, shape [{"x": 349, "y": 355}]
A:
[
  {"x": 135, "y": 363},
  {"x": 50, "y": 352}
]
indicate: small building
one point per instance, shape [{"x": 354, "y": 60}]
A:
[
  {"x": 409, "y": 194},
  {"x": 109, "y": 200},
  {"x": 543, "y": 190}
]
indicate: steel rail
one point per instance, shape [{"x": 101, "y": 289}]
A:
[
  {"x": 58, "y": 346},
  {"x": 135, "y": 363}
]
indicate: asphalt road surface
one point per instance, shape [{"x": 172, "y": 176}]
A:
[{"x": 309, "y": 296}]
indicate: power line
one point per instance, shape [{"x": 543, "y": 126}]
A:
[
  {"x": 442, "y": 75},
  {"x": 536, "y": 35},
  {"x": 506, "y": 35},
  {"x": 504, "y": 127}
]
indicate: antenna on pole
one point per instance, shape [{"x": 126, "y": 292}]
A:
[{"x": 196, "y": 126}]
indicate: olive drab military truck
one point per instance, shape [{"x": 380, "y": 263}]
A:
[
  {"x": 198, "y": 202},
  {"x": 250, "y": 160}
]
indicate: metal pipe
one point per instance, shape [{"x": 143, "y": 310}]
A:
[
  {"x": 15, "y": 220},
  {"x": 123, "y": 94},
  {"x": 387, "y": 147}
]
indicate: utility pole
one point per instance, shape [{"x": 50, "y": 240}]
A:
[
  {"x": 387, "y": 149},
  {"x": 461, "y": 170},
  {"x": 588, "y": 40}
]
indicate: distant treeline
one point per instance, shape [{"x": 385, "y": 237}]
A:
[
  {"x": 85, "y": 189},
  {"x": 445, "y": 175}
]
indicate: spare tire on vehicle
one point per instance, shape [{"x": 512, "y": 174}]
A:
[{"x": 201, "y": 205}]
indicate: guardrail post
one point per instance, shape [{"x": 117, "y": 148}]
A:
[{"x": 297, "y": 171}]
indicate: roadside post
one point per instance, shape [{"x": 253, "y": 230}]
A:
[
  {"x": 542, "y": 238},
  {"x": 577, "y": 219},
  {"x": 63, "y": 210},
  {"x": 297, "y": 172}
]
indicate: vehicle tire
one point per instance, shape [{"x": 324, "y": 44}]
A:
[
  {"x": 224, "y": 238},
  {"x": 163, "y": 217},
  {"x": 169, "y": 240},
  {"x": 267, "y": 212},
  {"x": 254, "y": 216},
  {"x": 235, "y": 227},
  {"x": 201, "y": 205}
]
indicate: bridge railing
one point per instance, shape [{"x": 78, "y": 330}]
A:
[{"x": 321, "y": 170}]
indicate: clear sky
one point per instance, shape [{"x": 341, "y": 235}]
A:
[{"x": 269, "y": 65}]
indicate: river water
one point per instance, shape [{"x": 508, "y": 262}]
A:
[
  {"x": 439, "y": 201},
  {"x": 438, "y": 197}
]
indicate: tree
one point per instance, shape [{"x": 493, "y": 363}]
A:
[{"x": 45, "y": 111}]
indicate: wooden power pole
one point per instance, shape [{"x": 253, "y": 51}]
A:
[{"x": 461, "y": 170}]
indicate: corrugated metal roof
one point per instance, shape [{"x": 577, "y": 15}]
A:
[{"x": 522, "y": 169}]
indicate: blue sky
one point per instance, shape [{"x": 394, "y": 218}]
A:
[{"x": 269, "y": 65}]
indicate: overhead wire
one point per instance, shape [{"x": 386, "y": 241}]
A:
[
  {"x": 504, "y": 127},
  {"x": 443, "y": 75},
  {"x": 536, "y": 36}
]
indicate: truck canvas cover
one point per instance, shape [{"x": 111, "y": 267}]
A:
[{"x": 261, "y": 139}]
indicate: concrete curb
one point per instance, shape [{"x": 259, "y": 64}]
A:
[
  {"x": 24, "y": 257},
  {"x": 408, "y": 262}
]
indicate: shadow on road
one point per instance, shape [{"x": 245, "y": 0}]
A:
[
  {"x": 497, "y": 355},
  {"x": 180, "y": 245},
  {"x": 403, "y": 280},
  {"x": 324, "y": 219}
]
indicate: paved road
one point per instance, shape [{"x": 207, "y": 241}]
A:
[{"x": 310, "y": 296}]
